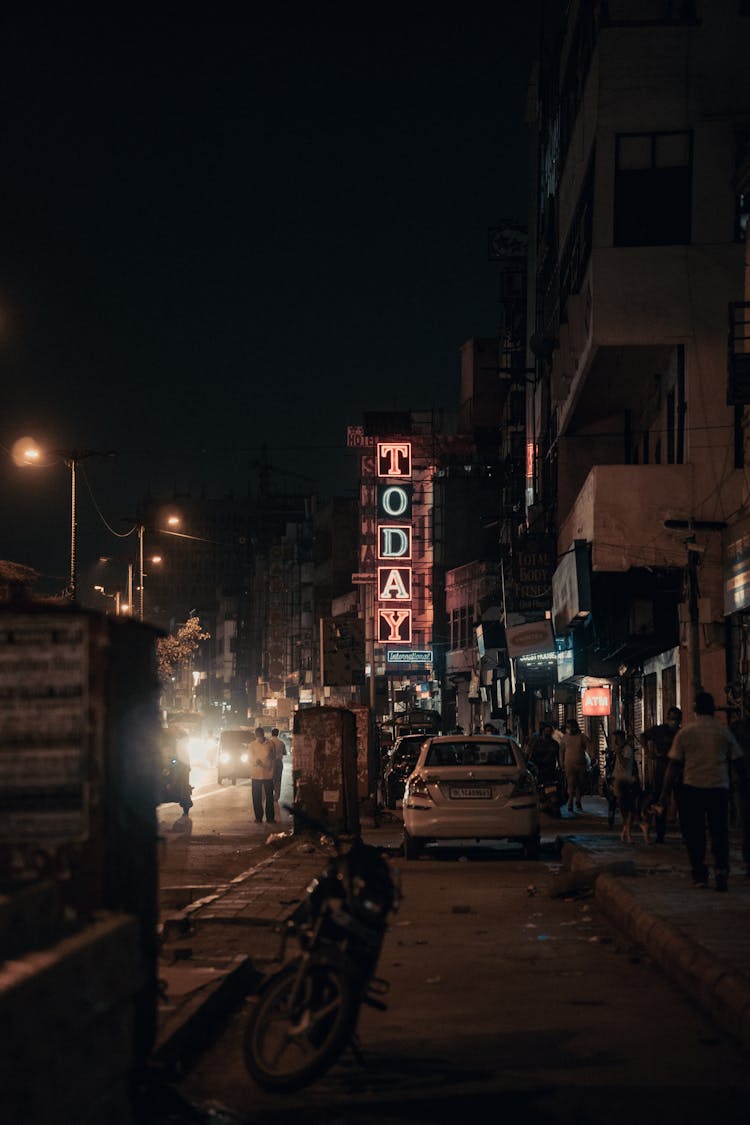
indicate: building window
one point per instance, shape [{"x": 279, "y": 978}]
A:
[{"x": 653, "y": 196}]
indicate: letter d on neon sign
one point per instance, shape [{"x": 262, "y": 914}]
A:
[{"x": 394, "y": 542}]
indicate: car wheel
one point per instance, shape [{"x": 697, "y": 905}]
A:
[
  {"x": 531, "y": 847},
  {"x": 413, "y": 846}
]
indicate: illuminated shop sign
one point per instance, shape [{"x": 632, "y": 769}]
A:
[
  {"x": 393, "y": 467},
  {"x": 394, "y": 542},
  {"x": 393, "y": 625},
  {"x": 394, "y": 459},
  {"x": 596, "y": 700},
  {"x": 394, "y": 501},
  {"x": 394, "y": 583},
  {"x": 409, "y": 656}
]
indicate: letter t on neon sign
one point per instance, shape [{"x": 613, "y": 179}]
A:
[{"x": 394, "y": 458}]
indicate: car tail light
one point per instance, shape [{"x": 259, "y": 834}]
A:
[
  {"x": 417, "y": 787},
  {"x": 523, "y": 786}
]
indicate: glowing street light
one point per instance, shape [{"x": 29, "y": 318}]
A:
[{"x": 27, "y": 452}]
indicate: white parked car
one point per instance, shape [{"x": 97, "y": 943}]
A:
[{"x": 470, "y": 787}]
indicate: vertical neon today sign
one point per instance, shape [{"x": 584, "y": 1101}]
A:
[{"x": 393, "y": 615}]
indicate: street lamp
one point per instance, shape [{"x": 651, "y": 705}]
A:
[
  {"x": 115, "y": 597},
  {"x": 27, "y": 452}
]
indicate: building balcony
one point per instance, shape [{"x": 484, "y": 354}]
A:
[
  {"x": 620, "y": 511},
  {"x": 635, "y": 304}
]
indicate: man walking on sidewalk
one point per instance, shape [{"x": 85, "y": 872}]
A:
[
  {"x": 706, "y": 750},
  {"x": 262, "y": 759}
]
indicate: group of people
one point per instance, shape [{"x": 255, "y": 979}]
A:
[
  {"x": 696, "y": 766},
  {"x": 266, "y": 769},
  {"x": 566, "y": 752}
]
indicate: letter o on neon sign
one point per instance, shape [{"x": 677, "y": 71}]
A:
[{"x": 395, "y": 501}]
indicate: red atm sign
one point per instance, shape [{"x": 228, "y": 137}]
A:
[{"x": 596, "y": 700}]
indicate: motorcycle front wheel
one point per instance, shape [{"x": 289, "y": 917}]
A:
[{"x": 300, "y": 1025}]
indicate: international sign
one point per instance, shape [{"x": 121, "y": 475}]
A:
[{"x": 409, "y": 656}]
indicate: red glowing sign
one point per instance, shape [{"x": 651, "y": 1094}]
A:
[
  {"x": 394, "y": 458},
  {"x": 394, "y": 626},
  {"x": 596, "y": 700}
]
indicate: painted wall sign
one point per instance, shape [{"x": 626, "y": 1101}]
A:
[{"x": 531, "y": 637}]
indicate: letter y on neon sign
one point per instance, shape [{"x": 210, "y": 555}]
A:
[{"x": 394, "y": 626}]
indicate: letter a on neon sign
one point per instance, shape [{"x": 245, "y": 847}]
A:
[{"x": 394, "y": 584}]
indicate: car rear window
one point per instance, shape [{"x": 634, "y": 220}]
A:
[
  {"x": 408, "y": 751},
  {"x": 471, "y": 754}
]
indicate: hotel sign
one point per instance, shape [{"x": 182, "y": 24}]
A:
[{"x": 409, "y": 656}]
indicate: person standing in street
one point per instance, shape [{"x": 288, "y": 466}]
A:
[
  {"x": 625, "y": 782},
  {"x": 657, "y": 742},
  {"x": 279, "y": 750},
  {"x": 262, "y": 759},
  {"x": 573, "y": 755},
  {"x": 706, "y": 750}
]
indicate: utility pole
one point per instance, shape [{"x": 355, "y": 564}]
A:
[{"x": 694, "y": 617}]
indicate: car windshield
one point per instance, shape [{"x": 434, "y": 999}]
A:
[
  {"x": 231, "y": 739},
  {"x": 471, "y": 754}
]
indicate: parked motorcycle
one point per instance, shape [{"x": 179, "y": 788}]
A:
[
  {"x": 307, "y": 1012},
  {"x": 550, "y": 791}
]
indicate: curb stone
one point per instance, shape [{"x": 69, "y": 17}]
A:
[{"x": 711, "y": 983}]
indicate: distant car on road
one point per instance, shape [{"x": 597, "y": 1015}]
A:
[
  {"x": 470, "y": 787},
  {"x": 401, "y": 760},
  {"x": 233, "y": 757}
]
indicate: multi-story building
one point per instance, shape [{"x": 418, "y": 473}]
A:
[{"x": 637, "y": 454}]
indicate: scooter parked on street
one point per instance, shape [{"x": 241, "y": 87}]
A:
[
  {"x": 307, "y": 1012},
  {"x": 550, "y": 791}
]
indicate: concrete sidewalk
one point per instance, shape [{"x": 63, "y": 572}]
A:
[
  {"x": 217, "y": 948},
  {"x": 700, "y": 939}
]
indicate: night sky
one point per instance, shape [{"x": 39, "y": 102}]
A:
[{"x": 216, "y": 236}]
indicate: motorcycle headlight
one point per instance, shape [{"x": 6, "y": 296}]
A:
[{"x": 244, "y": 758}]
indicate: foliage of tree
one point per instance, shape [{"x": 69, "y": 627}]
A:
[{"x": 176, "y": 649}]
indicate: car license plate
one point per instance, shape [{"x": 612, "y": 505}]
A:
[{"x": 461, "y": 792}]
